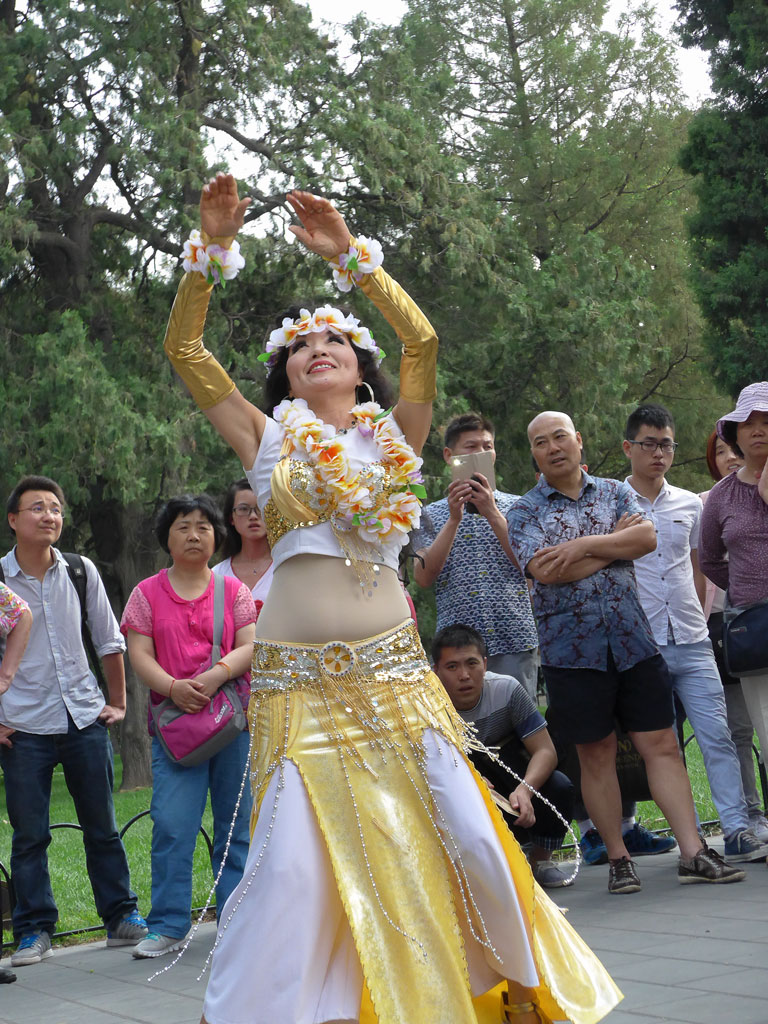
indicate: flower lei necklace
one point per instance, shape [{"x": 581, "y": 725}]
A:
[{"x": 377, "y": 518}]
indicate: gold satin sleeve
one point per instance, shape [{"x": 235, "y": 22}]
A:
[
  {"x": 418, "y": 364},
  {"x": 207, "y": 380}
]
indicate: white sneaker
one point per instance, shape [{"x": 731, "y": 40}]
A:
[
  {"x": 759, "y": 827},
  {"x": 156, "y": 945}
]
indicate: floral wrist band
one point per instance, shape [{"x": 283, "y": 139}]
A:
[
  {"x": 363, "y": 257},
  {"x": 323, "y": 318},
  {"x": 217, "y": 264}
]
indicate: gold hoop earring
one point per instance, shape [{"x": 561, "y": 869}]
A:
[{"x": 365, "y": 384}]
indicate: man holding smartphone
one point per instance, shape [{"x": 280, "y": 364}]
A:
[{"x": 464, "y": 543}]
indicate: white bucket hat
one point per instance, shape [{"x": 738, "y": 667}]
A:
[{"x": 753, "y": 398}]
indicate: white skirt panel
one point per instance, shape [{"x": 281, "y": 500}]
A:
[{"x": 287, "y": 955}]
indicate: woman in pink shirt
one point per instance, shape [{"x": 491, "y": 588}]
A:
[{"x": 168, "y": 623}]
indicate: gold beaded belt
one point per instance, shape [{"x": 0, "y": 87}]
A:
[{"x": 285, "y": 666}]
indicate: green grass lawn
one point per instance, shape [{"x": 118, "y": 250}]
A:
[{"x": 69, "y": 879}]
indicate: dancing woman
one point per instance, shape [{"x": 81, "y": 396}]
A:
[{"x": 381, "y": 885}]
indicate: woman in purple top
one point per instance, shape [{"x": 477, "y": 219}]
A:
[
  {"x": 733, "y": 547},
  {"x": 168, "y": 623}
]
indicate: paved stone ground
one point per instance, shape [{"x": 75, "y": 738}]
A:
[{"x": 695, "y": 954}]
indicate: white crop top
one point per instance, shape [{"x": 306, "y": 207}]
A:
[{"x": 319, "y": 539}]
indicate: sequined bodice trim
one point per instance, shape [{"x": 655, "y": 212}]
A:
[{"x": 307, "y": 486}]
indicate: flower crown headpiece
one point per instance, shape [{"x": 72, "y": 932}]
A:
[
  {"x": 324, "y": 317},
  {"x": 363, "y": 257}
]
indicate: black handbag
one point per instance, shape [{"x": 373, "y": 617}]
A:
[{"x": 745, "y": 639}]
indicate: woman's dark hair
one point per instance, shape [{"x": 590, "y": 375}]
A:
[
  {"x": 276, "y": 386},
  {"x": 729, "y": 436},
  {"x": 182, "y": 506},
  {"x": 233, "y": 542},
  {"x": 714, "y": 472}
]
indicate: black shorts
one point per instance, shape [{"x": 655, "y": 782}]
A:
[{"x": 584, "y": 702}]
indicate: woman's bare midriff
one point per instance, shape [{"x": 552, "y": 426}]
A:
[{"x": 317, "y": 598}]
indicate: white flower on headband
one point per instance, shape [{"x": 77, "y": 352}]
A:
[
  {"x": 363, "y": 257},
  {"x": 323, "y": 318}
]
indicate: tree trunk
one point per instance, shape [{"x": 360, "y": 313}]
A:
[{"x": 126, "y": 548}]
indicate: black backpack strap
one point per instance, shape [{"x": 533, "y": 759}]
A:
[{"x": 76, "y": 570}]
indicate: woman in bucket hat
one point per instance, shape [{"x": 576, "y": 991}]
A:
[{"x": 733, "y": 551}]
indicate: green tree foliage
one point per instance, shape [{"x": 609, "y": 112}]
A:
[
  {"x": 113, "y": 113},
  {"x": 552, "y": 251},
  {"x": 727, "y": 153},
  {"x": 517, "y": 161}
]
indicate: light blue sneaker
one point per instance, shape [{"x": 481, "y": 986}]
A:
[
  {"x": 32, "y": 949},
  {"x": 153, "y": 945}
]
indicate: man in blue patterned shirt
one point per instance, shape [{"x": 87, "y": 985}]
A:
[
  {"x": 576, "y": 536},
  {"x": 468, "y": 557}
]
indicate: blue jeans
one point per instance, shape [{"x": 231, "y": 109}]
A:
[
  {"x": 696, "y": 682},
  {"x": 86, "y": 758},
  {"x": 178, "y": 800}
]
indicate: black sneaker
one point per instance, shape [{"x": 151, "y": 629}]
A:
[
  {"x": 707, "y": 866},
  {"x": 622, "y": 877}
]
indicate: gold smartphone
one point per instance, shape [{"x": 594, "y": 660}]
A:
[{"x": 464, "y": 467}]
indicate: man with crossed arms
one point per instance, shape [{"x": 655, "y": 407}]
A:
[{"x": 576, "y": 536}]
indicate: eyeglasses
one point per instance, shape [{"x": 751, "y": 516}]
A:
[
  {"x": 246, "y": 511},
  {"x": 40, "y": 510},
  {"x": 650, "y": 446}
]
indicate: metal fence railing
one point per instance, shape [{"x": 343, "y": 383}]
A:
[{"x": 7, "y": 881}]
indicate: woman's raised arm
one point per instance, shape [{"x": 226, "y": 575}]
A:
[
  {"x": 325, "y": 232},
  {"x": 236, "y": 419}
]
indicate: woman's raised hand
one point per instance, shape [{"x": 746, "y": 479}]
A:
[
  {"x": 222, "y": 212},
  {"x": 323, "y": 229}
]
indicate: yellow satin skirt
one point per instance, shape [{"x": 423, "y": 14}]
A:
[{"x": 361, "y": 722}]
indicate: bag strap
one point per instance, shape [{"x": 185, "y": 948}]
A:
[
  {"x": 76, "y": 571},
  {"x": 219, "y": 586}
]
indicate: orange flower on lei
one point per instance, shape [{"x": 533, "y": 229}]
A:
[{"x": 396, "y": 513}]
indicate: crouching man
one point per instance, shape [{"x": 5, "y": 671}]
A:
[{"x": 505, "y": 717}]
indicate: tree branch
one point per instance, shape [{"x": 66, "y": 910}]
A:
[
  {"x": 252, "y": 145},
  {"x": 103, "y": 215},
  {"x": 667, "y": 373},
  {"x": 54, "y": 239},
  {"x": 102, "y": 158}
]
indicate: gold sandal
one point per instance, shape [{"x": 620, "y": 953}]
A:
[{"x": 511, "y": 1010}]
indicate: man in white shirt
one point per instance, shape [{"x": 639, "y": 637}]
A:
[
  {"x": 667, "y": 581},
  {"x": 54, "y": 713}
]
